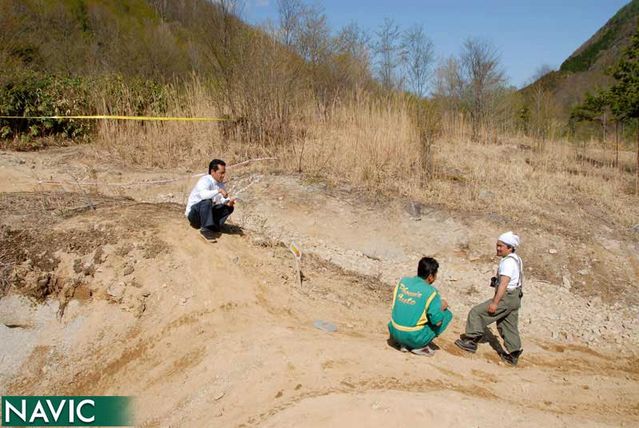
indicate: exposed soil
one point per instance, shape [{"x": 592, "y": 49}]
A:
[{"x": 127, "y": 299}]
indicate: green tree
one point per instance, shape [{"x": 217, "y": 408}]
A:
[
  {"x": 624, "y": 94},
  {"x": 592, "y": 108}
]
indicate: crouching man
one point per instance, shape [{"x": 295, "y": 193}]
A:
[
  {"x": 419, "y": 314},
  {"x": 503, "y": 308},
  {"x": 209, "y": 204}
]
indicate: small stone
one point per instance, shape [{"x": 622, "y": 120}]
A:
[
  {"x": 128, "y": 270},
  {"x": 88, "y": 269},
  {"x": 414, "y": 209},
  {"x": 219, "y": 395},
  {"x": 116, "y": 291},
  {"x": 485, "y": 195},
  {"x": 552, "y": 251}
]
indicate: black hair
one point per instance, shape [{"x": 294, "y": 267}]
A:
[
  {"x": 427, "y": 266},
  {"x": 215, "y": 165}
]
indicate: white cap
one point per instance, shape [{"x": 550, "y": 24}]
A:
[{"x": 509, "y": 238}]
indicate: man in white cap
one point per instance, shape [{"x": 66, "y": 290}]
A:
[{"x": 503, "y": 308}]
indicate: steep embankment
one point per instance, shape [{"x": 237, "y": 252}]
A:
[{"x": 222, "y": 334}]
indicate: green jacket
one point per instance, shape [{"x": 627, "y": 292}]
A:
[{"x": 416, "y": 312}]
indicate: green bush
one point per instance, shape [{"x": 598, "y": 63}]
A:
[
  {"x": 133, "y": 96},
  {"x": 33, "y": 94}
]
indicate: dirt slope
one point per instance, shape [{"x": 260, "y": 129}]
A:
[{"x": 221, "y": 334}]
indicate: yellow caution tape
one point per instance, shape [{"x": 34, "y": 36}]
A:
[{"x": 115, "y": 117}]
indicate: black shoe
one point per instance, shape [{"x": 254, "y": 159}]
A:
[
  {"x": 208, "y": 235},
  {"x": 468, "y": 345},
  {"x": 512, "y": 358}
]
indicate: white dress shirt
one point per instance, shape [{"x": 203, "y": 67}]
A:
[{"x": 206, "y": 188}]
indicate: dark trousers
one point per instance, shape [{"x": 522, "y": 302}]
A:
[{"x": 205, "y": 215}]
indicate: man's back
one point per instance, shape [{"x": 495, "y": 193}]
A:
[{"x": 411, "y": 300}]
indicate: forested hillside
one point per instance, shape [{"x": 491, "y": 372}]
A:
[{"x": 587, "y": 68}]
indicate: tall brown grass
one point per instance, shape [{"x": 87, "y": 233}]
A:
[{"x": 373, "y": 142}]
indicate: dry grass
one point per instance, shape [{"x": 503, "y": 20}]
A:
[
  {"x": 373, "y": 143},
  {"x": 551, "y": 189}
]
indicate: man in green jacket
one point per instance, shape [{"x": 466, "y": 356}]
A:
[{"x": 419, "y": 314}]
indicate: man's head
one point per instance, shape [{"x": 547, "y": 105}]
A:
[
  {"x": 427, "y": 269},
  {"x": 217, "y": 169},
  {"x": 507, "y": 243}
]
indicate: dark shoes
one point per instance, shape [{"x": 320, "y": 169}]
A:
[
  {"x": 470, "y": 345},
  {"x": 512, "y": 358},
  {"x": 467, "y": 344},
  {"x": 208, "y": 235}
]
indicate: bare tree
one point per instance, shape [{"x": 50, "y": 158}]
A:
[
  {"x": 541, "y": 106},
  {"x": 312, "y": 41},
  {"x": 540, "y": 72},
  {"x": 290, "y": 13},
  {"x": 449, "y": 85},
  {"x": 352, "y": 55},
  {"x": 418, "y": 55},
  {"x": 388, "y": 54},
  {"x": 482, "y": 74},
  {"x": 354, "y": 41}
]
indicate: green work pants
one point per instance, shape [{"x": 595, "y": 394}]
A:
[{"x": 506, "y": 316}]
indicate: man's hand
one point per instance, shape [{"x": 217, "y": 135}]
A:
[
  {"x": 492, "y": 308},
  {"x": 231, "y": 202},
  {"x": 444, "y": 305},
  {"x": 223, "y": 193}
]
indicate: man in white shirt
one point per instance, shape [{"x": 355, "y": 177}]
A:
[
  {"x": 209, "y": 205},
  {"x": 503, "y": 308}
]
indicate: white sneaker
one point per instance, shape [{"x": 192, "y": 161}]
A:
[{"x": 426, "y": 351}]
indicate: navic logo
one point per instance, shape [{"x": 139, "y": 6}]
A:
[{"x": 39, "y": 411}]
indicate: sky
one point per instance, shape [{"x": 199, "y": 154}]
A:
[{"x": 526, "y": 33}]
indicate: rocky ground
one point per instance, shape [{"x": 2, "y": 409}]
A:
[{"x": 106, "y": 290}]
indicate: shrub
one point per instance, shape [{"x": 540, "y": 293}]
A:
[{"x": 33, "y": 94}]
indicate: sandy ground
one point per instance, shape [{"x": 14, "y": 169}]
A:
[{"x": 222, "y": 335}]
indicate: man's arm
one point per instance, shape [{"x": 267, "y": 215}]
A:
[
  {"x": 499, "y": 293},
  {"x": 436, "y": 310},
  {"x": 204, "y": 192}
]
